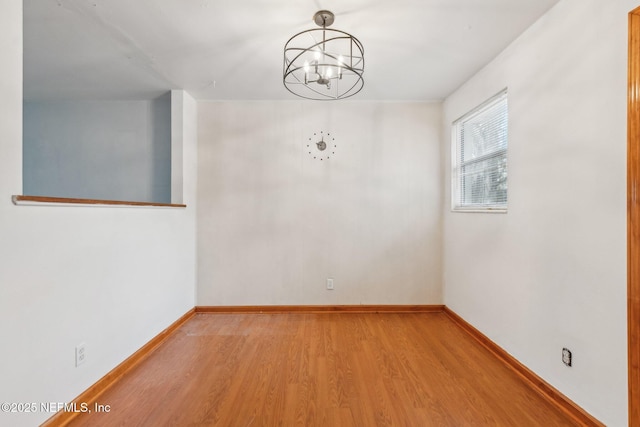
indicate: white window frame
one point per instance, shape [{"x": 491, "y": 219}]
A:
[{"x": 456, "y": 204}]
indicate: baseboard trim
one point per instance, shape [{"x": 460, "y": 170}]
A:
[
  {"x": 89, "y": 396},
  {"x": 543, "y": 388},
  {"x": 314, "y": 309}
]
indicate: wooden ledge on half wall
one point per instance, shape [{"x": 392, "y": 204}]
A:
[{"x": 21, "y": 200}]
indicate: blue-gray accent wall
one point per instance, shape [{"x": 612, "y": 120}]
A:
[{"x": 114, "y": 150}]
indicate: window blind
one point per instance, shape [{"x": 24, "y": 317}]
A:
[{"x": 480, "y": 157}]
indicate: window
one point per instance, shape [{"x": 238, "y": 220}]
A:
[{"x": 479, "y": 157}]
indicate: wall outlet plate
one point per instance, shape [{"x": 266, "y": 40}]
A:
[
  {"x": 81, "y": 354},
  {"x": 566, "y": 356},
  {"x": 330, "y": 284}
]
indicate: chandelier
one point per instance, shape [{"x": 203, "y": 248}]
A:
[{"x": 323, "y": 63}]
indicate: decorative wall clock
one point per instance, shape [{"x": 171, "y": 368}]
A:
[{"x": 321, "y": 145}]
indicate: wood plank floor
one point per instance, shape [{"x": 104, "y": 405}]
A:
[{"x": 414, "y": 369}]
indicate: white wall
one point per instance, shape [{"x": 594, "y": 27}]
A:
[
  {"x": 551, "y": 273},
  {"x": 113, "y": 150},
  {"x": 274, "y": 224},
  {"x": 112, "y": 278}
]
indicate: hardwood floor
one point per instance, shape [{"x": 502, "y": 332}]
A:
[{"x": 334, "y": 369}]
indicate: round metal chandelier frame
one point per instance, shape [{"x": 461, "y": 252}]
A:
[{"x": 323, "y": 63}]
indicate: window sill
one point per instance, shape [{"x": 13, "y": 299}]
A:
[
  {"x": 20, "y": 200},
  {"x": 479, "y": 210}
]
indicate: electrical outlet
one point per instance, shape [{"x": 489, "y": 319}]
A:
[
  {"x": 566, "y": 356},
  {"x": 330, "y": 284},
  {"x": 81, "y": 354}
]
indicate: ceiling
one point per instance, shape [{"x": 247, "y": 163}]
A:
[{"x": 233, "y": 50}]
